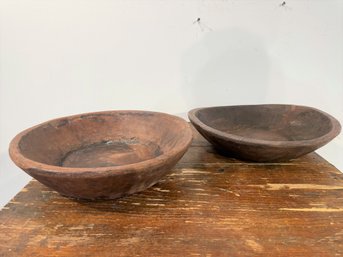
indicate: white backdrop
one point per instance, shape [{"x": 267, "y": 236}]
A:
[{"x": 71, "y": 56}]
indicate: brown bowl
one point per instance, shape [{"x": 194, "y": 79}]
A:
[
  {"x": 265, "y": 133},
  {"x": 104, "y": 154}
]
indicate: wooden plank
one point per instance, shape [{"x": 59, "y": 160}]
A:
[{"x": 209, "y": 206}]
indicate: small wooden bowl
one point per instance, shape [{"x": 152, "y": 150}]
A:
[
  {"x": 104, "y": 154},
  {"x": 265, "y": 133}
]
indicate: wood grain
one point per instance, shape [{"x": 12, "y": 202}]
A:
[
  {"x": 210, "y": 205},
  {"x": 102, "y": 155},
  {"x": 265, "y": 132}
]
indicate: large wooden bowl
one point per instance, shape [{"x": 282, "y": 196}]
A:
[
  {"x": 104, "y": 154},
  {"x": 265, "y": 133}
]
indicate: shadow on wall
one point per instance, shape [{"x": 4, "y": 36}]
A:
[
  {"x": 12, "y": 179},
  {"x": 226, "y": 67}
]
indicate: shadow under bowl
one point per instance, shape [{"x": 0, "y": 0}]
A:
[
  {"x": 265, "y": 133},
  {"x": 102, "y": 155}
]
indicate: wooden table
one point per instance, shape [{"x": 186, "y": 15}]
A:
[{"x": 210, "y": 205}]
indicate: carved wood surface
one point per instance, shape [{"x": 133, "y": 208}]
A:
[{"x": 211, "y": 205}]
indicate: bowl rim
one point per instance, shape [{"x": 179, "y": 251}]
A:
[
  {"x": 28, "y": 164},
  {"x": 334, "y": 131}
]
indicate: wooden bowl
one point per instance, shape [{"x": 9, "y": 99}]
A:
[
  {"x": 104, "y": 154},
  {"x": 265, "y": 133}
]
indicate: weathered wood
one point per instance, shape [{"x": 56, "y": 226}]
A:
[
  {"x": 265, "y": 132},
  {"x": 209, "y": 206},
  {"x": 102, "y": 155}
]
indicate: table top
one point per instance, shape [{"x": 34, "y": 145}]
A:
[{"x": 210, "y": 205}]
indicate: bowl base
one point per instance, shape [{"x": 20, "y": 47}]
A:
[
  {"x": 262, "y": 134},
  {"x": 111, "y": 153}
]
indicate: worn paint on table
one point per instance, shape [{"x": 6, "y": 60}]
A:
[{"x": 209, "y": 206}]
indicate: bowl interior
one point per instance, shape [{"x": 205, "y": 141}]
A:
[
  {"x": 267, "y": 122},
  {"x": 103, "y": 139}
]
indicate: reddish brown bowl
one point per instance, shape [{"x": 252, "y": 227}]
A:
[
  {"x": 104, "y": 154},
  {"x": 265, "y": 133}
]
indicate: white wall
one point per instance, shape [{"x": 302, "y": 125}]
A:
[{"x": 72, "y": 56}]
